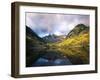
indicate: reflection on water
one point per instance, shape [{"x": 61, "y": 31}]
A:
[{"x": 52, "y": 58}]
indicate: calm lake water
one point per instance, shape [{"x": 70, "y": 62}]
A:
[{"x": 52, "y": 58}]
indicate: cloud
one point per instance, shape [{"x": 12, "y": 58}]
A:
[{"x": 60, "y": 24}]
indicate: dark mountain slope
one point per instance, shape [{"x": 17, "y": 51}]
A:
[
  {"x": 32, "y": 34},
  {"x": 34, "y": 45}
]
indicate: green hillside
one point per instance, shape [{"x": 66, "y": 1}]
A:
[{"x": 75, "y": 45}]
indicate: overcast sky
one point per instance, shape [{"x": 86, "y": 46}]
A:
[{"x": 44, "y": 24}]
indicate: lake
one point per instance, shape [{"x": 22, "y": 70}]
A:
[{"x": 52, "y": 58}]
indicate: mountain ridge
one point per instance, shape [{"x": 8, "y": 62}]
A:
[
  {"x": 78, "y": 29},
  {"x": 53, "y": 38}
]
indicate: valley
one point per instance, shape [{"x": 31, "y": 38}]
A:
[{"x": 52, "y": 50}]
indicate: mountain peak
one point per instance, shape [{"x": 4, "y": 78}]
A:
[
  {"x": 53, "y": 38},
  {"x": 81, "y": 25},
  {"x": 80, "y": 28}
]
